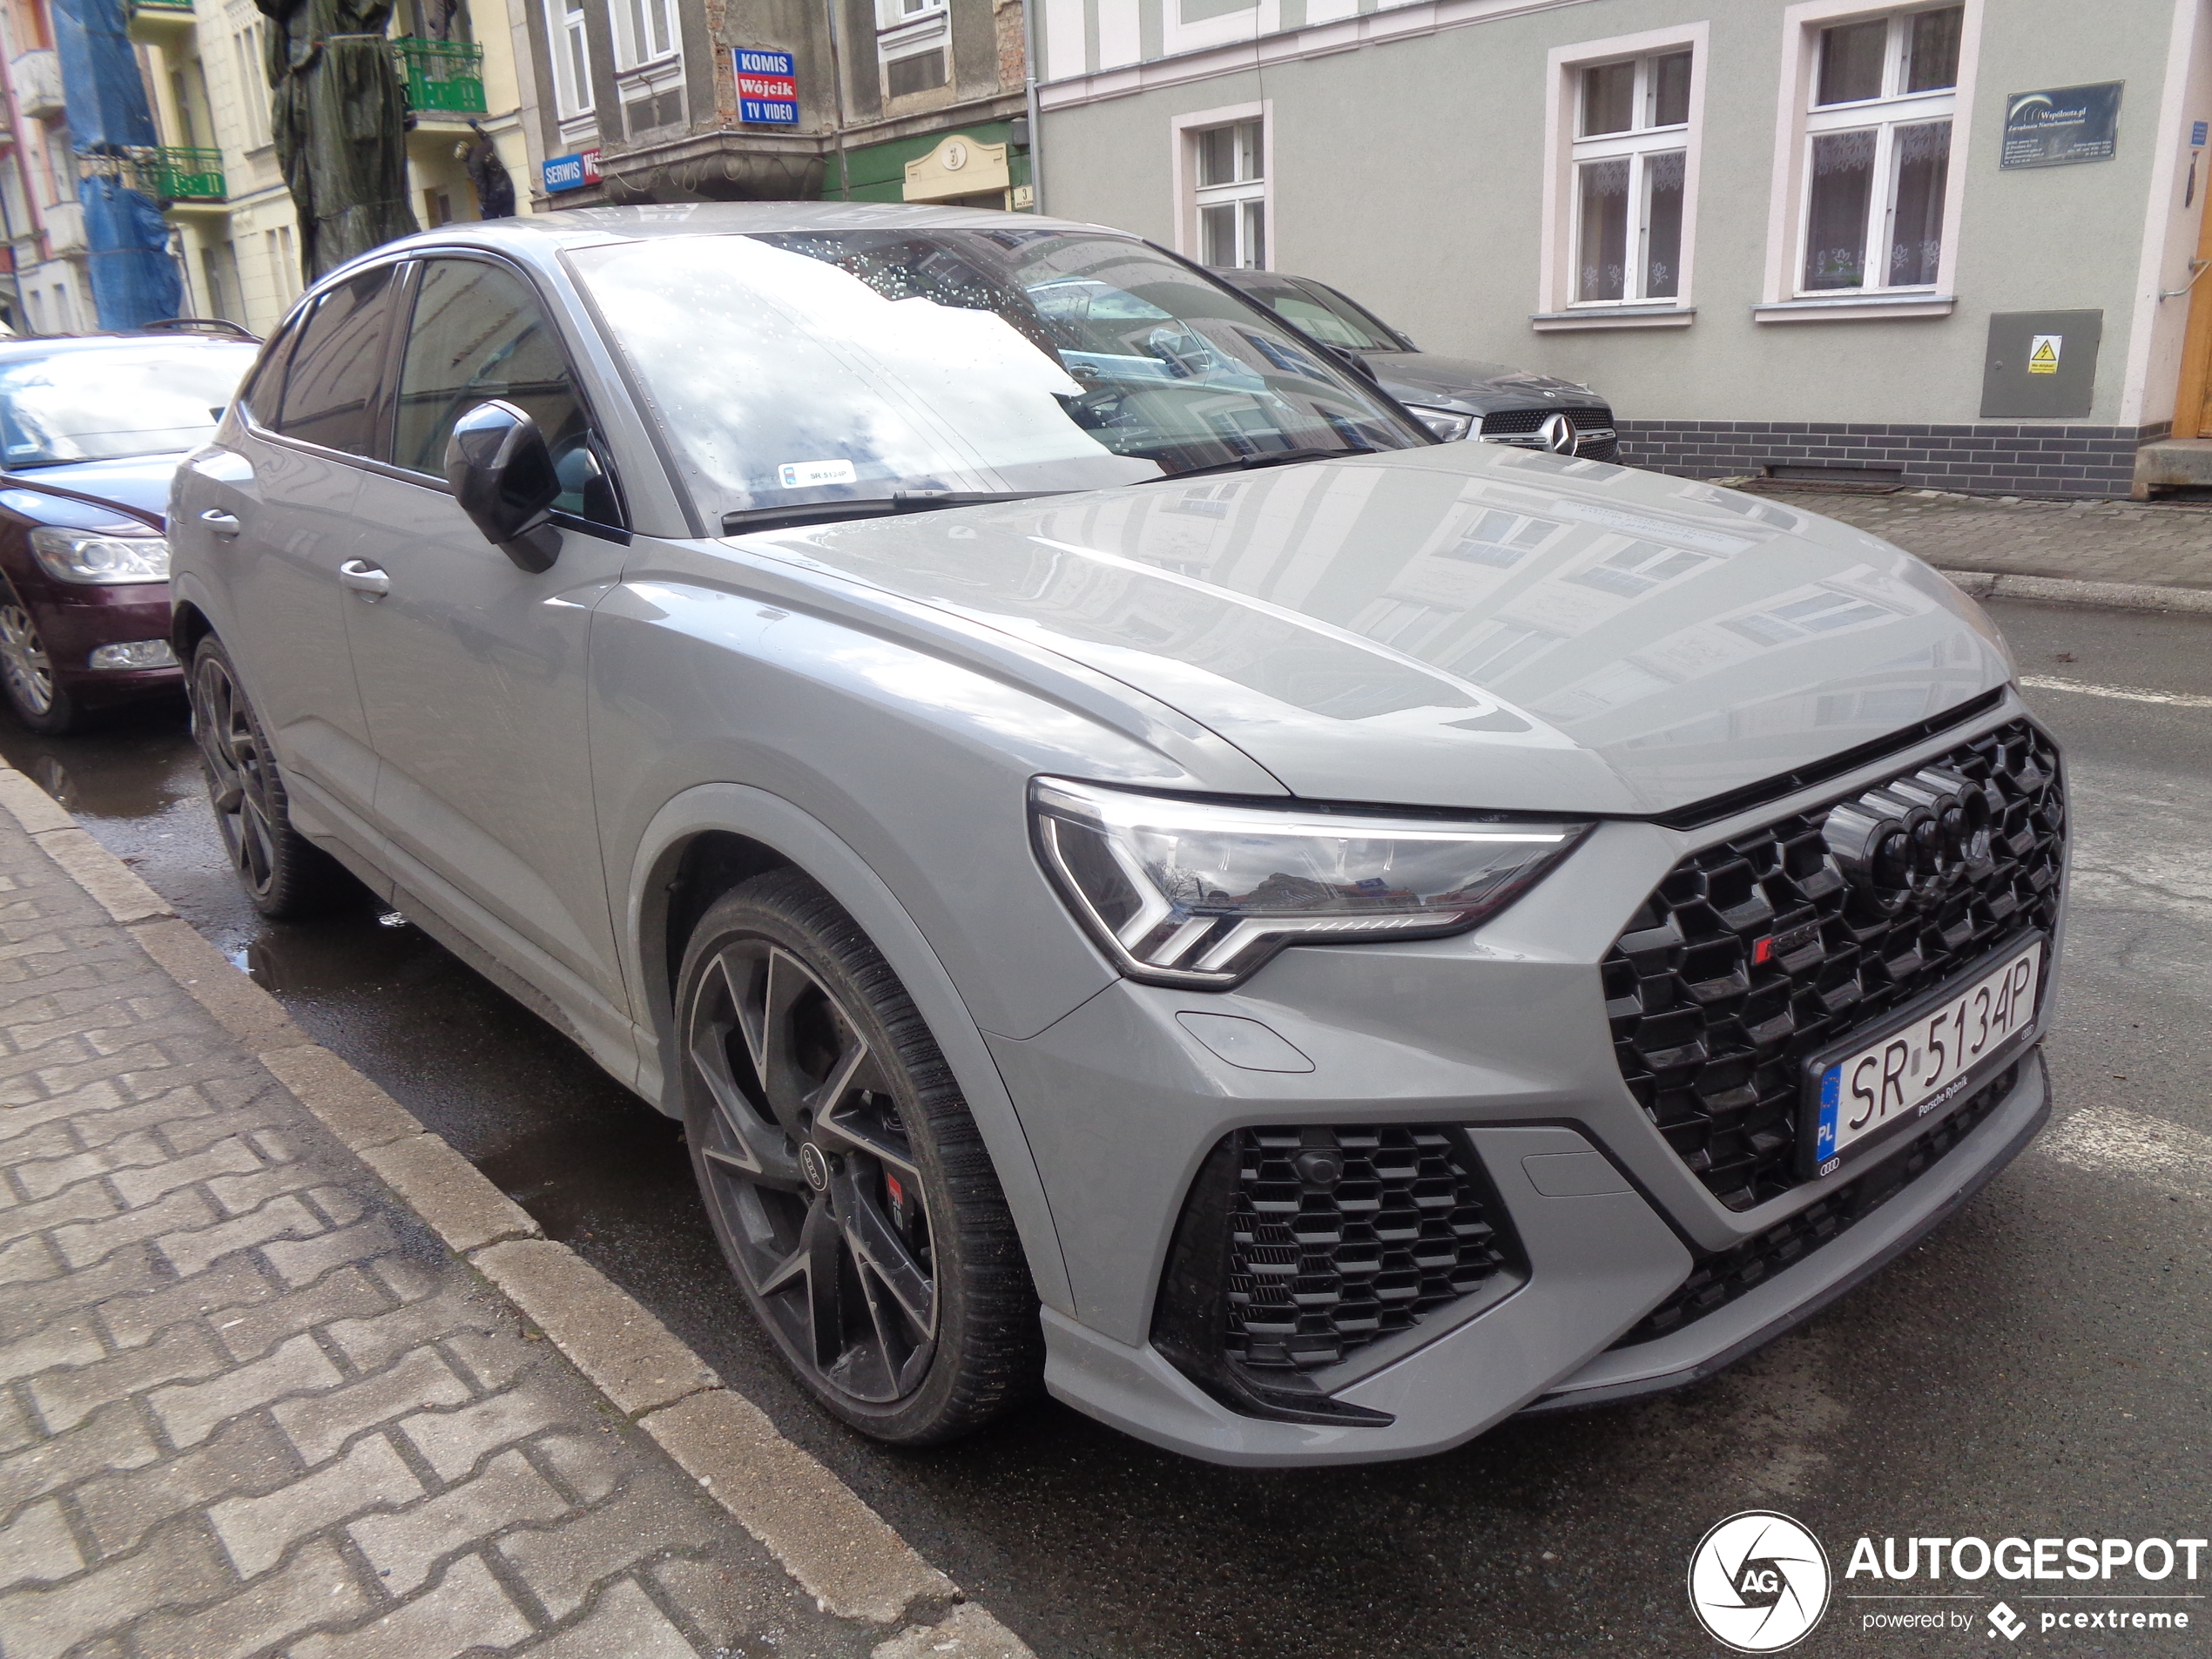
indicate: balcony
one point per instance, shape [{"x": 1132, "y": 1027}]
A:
[
  {"x": 38, "y": 83},
  {"x": 158, "y": 23},
  {"x": 442, "y": 77},
  {"x": 178, "y": 173}
]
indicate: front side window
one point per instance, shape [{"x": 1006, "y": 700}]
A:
[
  {"x": 1630, "y": 173},
  {"x": 1231, "y": 174},
  {"x": 1878, "y": 151},
  {"x": 794, "y": 370},
  {"x": 331, "y": 386},
  {"x": 1326, "y": 315},
  {"x": 479, "y": 333}
]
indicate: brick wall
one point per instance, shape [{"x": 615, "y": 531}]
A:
[{"x": 1988, "y": 460}]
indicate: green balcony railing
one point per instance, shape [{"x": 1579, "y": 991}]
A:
[
  {"x": 443, "y": 76},
  {"x": 180, "y": 173},
  {"x": 163, "y": 8}
]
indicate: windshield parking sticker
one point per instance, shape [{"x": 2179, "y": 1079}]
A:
[{"x": 801, "y": 475}]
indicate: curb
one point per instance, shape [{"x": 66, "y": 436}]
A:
[
  {"x": 2051, "y": 589},
  {"x": 837, "y": 1548}
]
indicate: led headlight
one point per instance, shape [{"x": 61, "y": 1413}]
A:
[
  {"x": 1200, "y": 893},
  {"x": 1446, "y": 424},
  {"x": 87, "y": 555}
]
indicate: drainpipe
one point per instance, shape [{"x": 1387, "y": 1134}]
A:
[
  {"x": 837, "y": 91},
  {"x": 1029, "y": 10}
]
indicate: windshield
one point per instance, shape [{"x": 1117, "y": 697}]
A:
[
  {"x": 92, "y": 403},
  {"x": 795, "y": 368},
  {"x": 1330, "y": 318}
]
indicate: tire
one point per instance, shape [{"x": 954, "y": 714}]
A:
[
  {"x": 847, "y": 1183},
  {"x": 35, "y": 697},
  {"x": 284, "y": 875}
]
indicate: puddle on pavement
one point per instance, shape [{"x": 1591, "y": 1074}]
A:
[{"x": 592, "y": 1164}]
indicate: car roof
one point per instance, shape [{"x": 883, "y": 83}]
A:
[
  {"x": 51, "y": 345},
  {"x": 533, "y": 237}
]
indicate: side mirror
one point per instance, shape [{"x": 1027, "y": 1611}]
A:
[
  {"x": 502, "y": 474},
  {"x": 1344, "y": 357}
]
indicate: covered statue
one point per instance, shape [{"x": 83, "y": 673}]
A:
[{"x": 340, "y": 121}]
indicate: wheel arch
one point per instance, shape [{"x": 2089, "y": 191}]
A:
[
  {"x": 713, "y": 836},
  {"x": 188, "y": 626}
]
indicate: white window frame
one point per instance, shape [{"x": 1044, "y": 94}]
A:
[
  {"x": 1558, "y": 309},
  {"x": 1797, "y": 124},
  {"x": 1190, "y": 196},
  {"x": 902, "y": 33},
  {"x": 633, "y": 52},
  {"x": 568, "y": 34}
]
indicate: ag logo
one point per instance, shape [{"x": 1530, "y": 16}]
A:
[{"x": 1758, "y": 1582}]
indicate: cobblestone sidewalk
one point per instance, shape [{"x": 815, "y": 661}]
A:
[
  {"x": 250, "y": 1405},
  {"x": 2145, "y": 543}
]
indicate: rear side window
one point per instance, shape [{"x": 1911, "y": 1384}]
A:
[
  {"x": 479, "y": 333},
  {"x": 331, "y": 388},
  {"x": 263, "y": 390}
]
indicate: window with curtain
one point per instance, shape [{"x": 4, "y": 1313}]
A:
[
  {"x": 1878, "y": 151},
  {"x": 1628, "y": 177}
]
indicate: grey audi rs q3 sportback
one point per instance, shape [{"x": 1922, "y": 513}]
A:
[{"x": 1143, "y": 873}]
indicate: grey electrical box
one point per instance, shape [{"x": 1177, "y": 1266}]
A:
[{"x": 2042, "y": 365}]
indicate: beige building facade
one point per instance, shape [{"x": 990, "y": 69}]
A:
[{"x": 233, "y": 230}]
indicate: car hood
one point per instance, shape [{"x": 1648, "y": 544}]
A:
[
  {"x": 1462, "y": 625},
  {"x": 136, "y": 482},
  {"x": 1470, "y": 385}
]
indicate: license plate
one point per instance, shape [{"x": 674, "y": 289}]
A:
[{"x": 1874, "y": 1090}]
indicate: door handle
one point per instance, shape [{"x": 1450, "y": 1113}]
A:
[
  {"x": 365, "y": 579},
  {"x": 222, "y": 523}
]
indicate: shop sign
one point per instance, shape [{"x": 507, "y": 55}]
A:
[
  {"x": 2061, "y": 126},
  {"x": 570, "y": 172},
  {"x": 767, "y": 86}
]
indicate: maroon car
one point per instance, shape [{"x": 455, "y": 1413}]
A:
[{"x": 91, "y": 429}]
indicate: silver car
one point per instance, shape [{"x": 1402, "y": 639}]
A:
[{"x": 1144, "y": 875}]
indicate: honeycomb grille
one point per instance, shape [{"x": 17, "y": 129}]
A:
[
  {"x": 1320, "y": 1268},
  {"x": 1516, "y": 422},
  {"x": 1721, "y": 1277},
  {"x": 1712, "y": 1041}
]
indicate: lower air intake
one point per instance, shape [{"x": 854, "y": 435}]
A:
[{"x": 1299, "y": 1247}]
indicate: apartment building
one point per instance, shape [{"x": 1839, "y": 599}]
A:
[
  {"x": 1936, "y": 244},
  {"x": 47, "y": 290},
  {"x": 217, "y": 174},
  {"x": 862, "y": 100},
  {"x": 233, "y": 230}
]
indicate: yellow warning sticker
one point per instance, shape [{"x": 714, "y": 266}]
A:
[{"x": 2043, "y": 353}]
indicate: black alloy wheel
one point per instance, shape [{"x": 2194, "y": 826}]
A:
[
  {"x": 35, "y": 697},
  {"x": 285, "y": 874},
  {"x": 846, "y": 1181}
]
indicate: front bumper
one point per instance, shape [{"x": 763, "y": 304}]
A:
[
  {"x": 75, "y": 623},
  {"x": 1503, "y": 1036},
  {"x": 1597, "y": 1263}
]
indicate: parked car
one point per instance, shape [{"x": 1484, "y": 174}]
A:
[
  {"x": 91, "y": 427},
  {"x": 1141, "y": 872},
  {"x": 1455, "y": 397}
]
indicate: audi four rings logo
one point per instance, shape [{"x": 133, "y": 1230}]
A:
[
  {"x": 1557, "y": 434},
  {"x": 1758, "y": 1582},
  {"x": 1914, "y": 838}
]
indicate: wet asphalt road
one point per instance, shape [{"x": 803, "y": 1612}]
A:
[{"x": 2040, "y": 1366}]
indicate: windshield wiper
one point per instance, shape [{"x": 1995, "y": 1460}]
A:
[
  {"x": 1271, "y": 458},
  {"x": 911, "y": 501}
]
